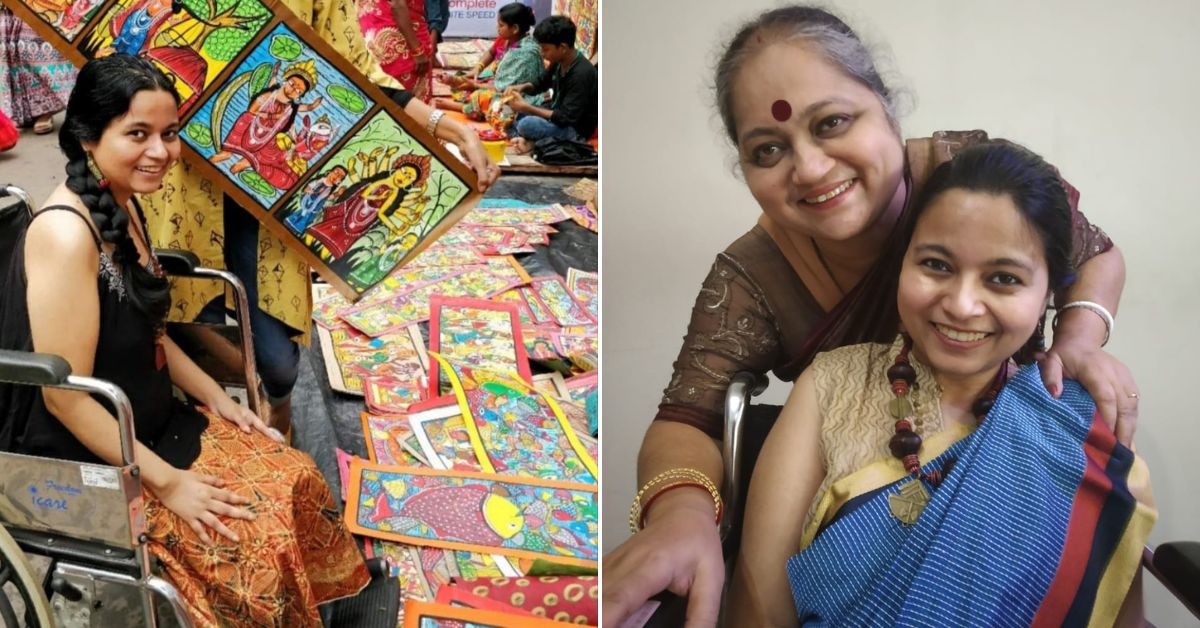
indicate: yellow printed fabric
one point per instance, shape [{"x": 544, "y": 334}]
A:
[{"x": 187, "y": 213}]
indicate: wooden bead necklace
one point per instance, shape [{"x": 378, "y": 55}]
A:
[{"x": 905, "y": 444}]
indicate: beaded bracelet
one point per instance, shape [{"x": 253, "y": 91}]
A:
[
  {"x": 434, "y": 118},
  {"x": 671, "y": 479},
  {"x": 1096, "y": 308}
]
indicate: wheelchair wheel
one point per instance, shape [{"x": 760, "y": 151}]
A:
[{"x": 22, "y": 592}]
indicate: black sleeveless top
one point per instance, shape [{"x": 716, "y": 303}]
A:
[{"x": 125, "y": 356}]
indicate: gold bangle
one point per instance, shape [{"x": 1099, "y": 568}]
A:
[{"x": 666, "y": 480}]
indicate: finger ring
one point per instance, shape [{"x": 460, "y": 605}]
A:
[{"x": 1133, "y": 395}]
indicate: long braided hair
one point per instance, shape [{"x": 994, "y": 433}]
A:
[{"x": 103, "y": 92}]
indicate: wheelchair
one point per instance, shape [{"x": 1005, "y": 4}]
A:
[
  {"x": 1176, "y": 565},
  {"x": 86, "y": 520}
]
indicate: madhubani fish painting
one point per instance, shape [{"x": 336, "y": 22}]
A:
[{"x": 475, "y": 512}]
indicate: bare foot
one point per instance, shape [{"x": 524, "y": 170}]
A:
[{"x": 521, "y": 146}]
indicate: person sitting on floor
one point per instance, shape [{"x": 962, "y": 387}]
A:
[
  {"x": 83, "y": 283},
  {"x": 905, "y": 472},
  {"x": 574, "y": 111},
  {"x": 518, "y": 61}
]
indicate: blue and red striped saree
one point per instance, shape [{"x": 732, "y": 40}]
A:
[{"x": 1041, "y": 522}]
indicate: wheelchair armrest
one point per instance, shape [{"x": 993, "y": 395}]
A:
[
  {"x": 176, "y": 262},
  {"x": 33, "y": 369},
  {"x": 1177, "y": 566}
]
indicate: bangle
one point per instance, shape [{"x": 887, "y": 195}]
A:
[
  {"x": 434, "y": 118},
  {"x": 668, "y": 480},
  {"x": 668, "y": 488},
  {"x": 1096, "y": 308}
]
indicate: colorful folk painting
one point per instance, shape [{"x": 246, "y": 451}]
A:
[
  {"x": 441, "y": 255},
  {"x": 508, "y": 267},
  {"x": 399, "y": 355},
  {"x": 405, "y": 563},
  {"x": 375, "y": 200},
  {"x": 413, "y": 307},
  {"x": 576, "y": 344},
  {"x": 515, "y": 297},
  {"x": 515, "y": 430},
  {"x": 585, "y": 14},
  {"x": 571, "y": 599},
  {"x": 491, "y": 240},
  {"x": 539, "y": 343},
  {"x": 326, "y": 308},
  {"x": 584, "y": 217},
  {"x": 192, "y": 41},
  {"x": 68, "y": 17},
  {"x": 275, "y": 117},
  {"x": 444, "y": 439},
  {"x": 538, "y": 310},
  {"x": 585, "y": 287},
  {"x": 515, "y": 216},
  {"x": 390, "y": 441},
  {"x": 558, "y": 300},
  {"x": 392, "y": 395},
  {"x": 418, "y": 614},
  {"x": 580, "y": 386},
  {"x": 476, "y": 512},
  {"x": 405, "y": 280},
  {"x": 477, "y": 333},
  {"x": 476, "y": 565},
  {"x": 577, "y": 415},
  {"x": 439, "y": 566}
]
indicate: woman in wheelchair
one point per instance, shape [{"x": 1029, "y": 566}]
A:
[
  {"x": 927, "y": 480},
  {"x": 243, "y": 526},
  {"x": 820, "y": 148}
]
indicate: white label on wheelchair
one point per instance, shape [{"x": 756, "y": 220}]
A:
[{"x": 100, "y": 477}]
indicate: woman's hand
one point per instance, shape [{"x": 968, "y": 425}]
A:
[
  {"x": 421, "y": 61},
  {"x": 244, "y": 418},
  {"x": 200, "y": 500},
  {"x": 679, "y": 551},
  {"x": 1106, "y": 379},
  {"x": 472, "y": 150}
]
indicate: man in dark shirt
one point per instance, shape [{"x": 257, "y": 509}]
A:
[{"x": 574, "y": 111}]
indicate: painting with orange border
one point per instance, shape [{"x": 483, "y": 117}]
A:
[{"x": 478, "y": 512}]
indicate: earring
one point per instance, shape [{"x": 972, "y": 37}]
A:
[
  {"x": 1036, "y": 345},
  {"x": 95, "y": 170}
]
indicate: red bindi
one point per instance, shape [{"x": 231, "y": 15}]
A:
[{"x": 781, "y": 110}]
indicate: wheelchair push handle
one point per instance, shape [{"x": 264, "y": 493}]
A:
[
  {"x": 48, "y": 370},
  {"x": 186, "y": 264},
  {"x": 7, "y": 190},
  {"x": 33, "y": 369},
  {"x": 176, "y": 262},
  {"x": 742, "y": 387}
]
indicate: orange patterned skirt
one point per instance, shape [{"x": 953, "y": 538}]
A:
[{"x": 294, "y": 555}]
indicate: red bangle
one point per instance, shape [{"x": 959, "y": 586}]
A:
[{"x": 650, "y": 502}]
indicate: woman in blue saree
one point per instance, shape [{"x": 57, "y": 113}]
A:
[{"x": 933, "y": 481}]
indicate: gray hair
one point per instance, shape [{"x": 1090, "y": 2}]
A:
[{"x": 825, "y": 32}]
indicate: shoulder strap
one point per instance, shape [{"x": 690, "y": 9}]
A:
[{"x": 92, "y": 229}]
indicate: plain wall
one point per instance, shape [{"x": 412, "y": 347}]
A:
[{"x": 1107, "y": 91}]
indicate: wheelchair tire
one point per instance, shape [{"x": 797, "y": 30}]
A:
[{"x": 16, "y": 570}]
